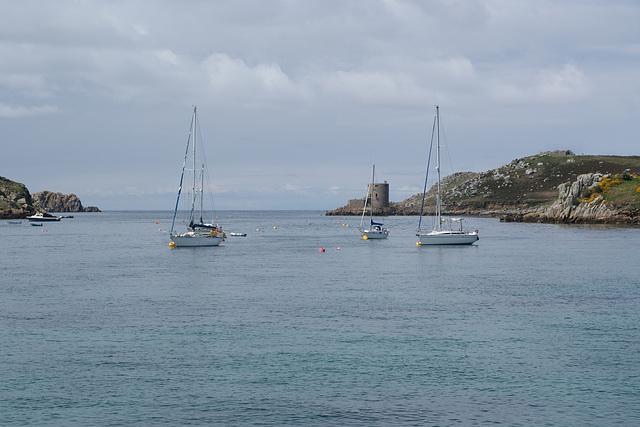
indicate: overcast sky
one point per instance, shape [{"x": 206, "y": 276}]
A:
[{"x": 298, "y": 98}]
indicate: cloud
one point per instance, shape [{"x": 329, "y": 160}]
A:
[
  {"x": 235, "y": 81},
  {"x": 369, "y": 87},
  {"x": 27, "y": 85},
  {"x": 300, "y": 88},
  {"x": 13, "y": 111},
  {"x": 548, "y": 86}
]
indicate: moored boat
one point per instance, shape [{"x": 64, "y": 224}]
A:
[
  {"x": 198, "y": 233},
  {"x": 376, "y": 230},
  {"x": 39, "y": 216},
  {"x": 443, "y": 233}
]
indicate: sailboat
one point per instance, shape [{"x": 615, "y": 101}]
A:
[
  {"x": 376, "y": 229},
  {"x": 197, "y": 233},
  {"x": 443, "y": 232}
]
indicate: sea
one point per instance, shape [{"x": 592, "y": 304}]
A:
[{"x": 103, "y": 324}]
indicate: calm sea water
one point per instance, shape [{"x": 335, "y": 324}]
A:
[{"x": 101, "y": 323}]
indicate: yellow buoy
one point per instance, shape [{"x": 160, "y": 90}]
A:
[
  {"x": 172, "y": 245},
  {"x": 418, "y": 244},
  {"x": 364, "y": 237},
  {"x": 275, "y": 228}
]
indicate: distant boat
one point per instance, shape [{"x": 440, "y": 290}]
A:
[
  {"x": 443, "y": 233},
  {"x": 238, "y": 234},
  {"x": 39, "y": 216},
  {"x": 375, "y": 230},
  {"x": 197, "y": 233},
  {"x": 14, "y": 222}
]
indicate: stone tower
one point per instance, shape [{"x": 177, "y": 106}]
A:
[{"x": 379, "y": 194}]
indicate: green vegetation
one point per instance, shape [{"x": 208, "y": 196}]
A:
[
  {"x": 7, "y": 186},
  {"x": 620, "y": 191},
  {"x": 14, "y": 198},
  {"x": 533, "y": 181}
]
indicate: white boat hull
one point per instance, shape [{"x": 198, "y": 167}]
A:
[
  {"x": 40, "y": 218},
  {"x": 448, "y": 238},
  {"x": 195, "y": 240},
  {"x": 374, "y": 234}
]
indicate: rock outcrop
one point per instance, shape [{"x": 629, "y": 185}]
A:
[
  {"x": 570, "y": 208},
  {"x": 58, "y": 202},
  {"x": 15, "y": 200},
  {"x": 547, "y": 187}
]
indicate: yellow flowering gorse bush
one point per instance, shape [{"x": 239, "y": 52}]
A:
[{"x": 605, "y": 185}]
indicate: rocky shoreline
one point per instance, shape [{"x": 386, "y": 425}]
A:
[
  {"x": 58, "y": 202},
  {"x": 17, "y": 203},
  {"x": 551, "y": 187}
]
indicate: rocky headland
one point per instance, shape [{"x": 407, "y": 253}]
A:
[
  {"x": 550, "y": 187},
  {"x": 17, "y": 203},
  {"x": 58, "y": 202}
]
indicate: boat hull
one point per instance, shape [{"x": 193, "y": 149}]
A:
[
  {"x": 374, "y": 234},
  {"x": 448, "y": 238},
  {"x": 196, "y": 240},
  {"x": 43, "y": 218}
]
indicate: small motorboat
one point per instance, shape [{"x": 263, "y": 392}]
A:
[
  {"x": 42, "y": 217},
  {"x": 238, "y": 234}
]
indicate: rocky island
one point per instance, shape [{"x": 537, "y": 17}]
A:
[
  {"x": 16, "y": 202},
  {"x": 550, "y": 187}
]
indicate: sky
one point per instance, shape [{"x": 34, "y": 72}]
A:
[{"x": 297, "y": 99}]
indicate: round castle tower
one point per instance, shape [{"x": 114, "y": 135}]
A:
[{"x": 379, "y": 194}]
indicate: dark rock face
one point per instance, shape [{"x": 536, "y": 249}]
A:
[
  {"x": 58, "y": 202},
  {"x": 15, "y": 200}
]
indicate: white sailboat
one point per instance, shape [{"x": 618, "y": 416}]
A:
[
  {"x": 443, "y": 232},
  {"x": 375, "y": 230},
  {"x": 197, "y": 233}
]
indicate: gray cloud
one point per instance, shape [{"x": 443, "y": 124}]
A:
[{"x": 298, "y": 98}]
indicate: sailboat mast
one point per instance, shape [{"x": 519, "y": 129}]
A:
[
  {"x": 373, "y": 180},
  {"x": 201, "y": 192},
  {"x": 194, "y": 185},
  {"x": 184, "y": 166},
  {"x": 438, "y": 199}
]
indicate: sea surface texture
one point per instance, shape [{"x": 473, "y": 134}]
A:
[{"x": 103, "y": 324}]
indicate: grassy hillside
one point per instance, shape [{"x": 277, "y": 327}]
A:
[
  {"x": 533, "y": 181},
  {"x": 15, "y": 200}
]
